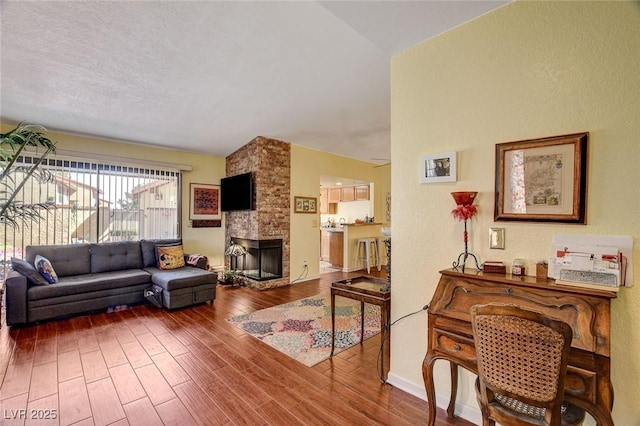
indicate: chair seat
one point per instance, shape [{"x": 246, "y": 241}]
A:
[{"x": 571, "y": 415}]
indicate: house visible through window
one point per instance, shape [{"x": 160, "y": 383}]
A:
[{"x": 92, "y": 202}]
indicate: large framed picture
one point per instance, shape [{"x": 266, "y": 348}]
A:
[
  {"x": 204, "y": 202},
  {"x": 438, "y": 167},
  {"x": 305, "y": 204},
  {"x": 542, "y": 180}
]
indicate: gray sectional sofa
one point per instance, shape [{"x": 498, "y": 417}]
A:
[{"x": 95, "y": 277}]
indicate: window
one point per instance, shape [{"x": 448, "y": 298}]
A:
[{"x": 96, "y": 202}]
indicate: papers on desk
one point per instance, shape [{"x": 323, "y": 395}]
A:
[{"x": 598, "y": 262}]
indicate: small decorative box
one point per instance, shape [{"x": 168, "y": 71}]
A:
[{"x": 493, "y": 267}]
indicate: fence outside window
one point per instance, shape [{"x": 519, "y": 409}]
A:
[{"x": 95, "y": 202}]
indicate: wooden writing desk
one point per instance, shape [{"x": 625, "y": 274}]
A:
[{"x": 450, "y": 337}]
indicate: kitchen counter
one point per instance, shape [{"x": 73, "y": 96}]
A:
[
  {"x": 340, "y": 227},
  {"x": 340, "y": 243},
  {"x": 329, "y": 229}
]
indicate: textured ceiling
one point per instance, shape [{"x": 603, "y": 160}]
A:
[{"x": 210, "y": 76}]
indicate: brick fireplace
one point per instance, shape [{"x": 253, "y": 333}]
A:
[{"x": 269, "y": 161}]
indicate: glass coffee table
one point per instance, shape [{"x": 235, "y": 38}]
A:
[{"x": 365, "y": 289}]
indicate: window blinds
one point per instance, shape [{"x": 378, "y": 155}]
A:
[{"x": 93, "y": 201}]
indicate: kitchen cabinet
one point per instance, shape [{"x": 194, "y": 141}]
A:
[
  {"x": 348, "y": 193},
  {"x": 324, "y": 199},
  {"x": 342, "y": 194},
  {"x": 325, "y": 245},
  {"x": 336, "y": 249},
  {"x": 362, "y": 192},
  {"x": 326, "y": 207},
  {"x": 335, "y": 195}
]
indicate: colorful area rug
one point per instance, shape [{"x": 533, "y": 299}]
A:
[{"x": 302, "y": 329}]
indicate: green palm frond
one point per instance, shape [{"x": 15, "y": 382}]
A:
[
  {"x": 12, "y": 145},
  {"x": 17, "y": 214}
]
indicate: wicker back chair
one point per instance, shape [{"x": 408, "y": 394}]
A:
[{"x": 522, "y": 361}]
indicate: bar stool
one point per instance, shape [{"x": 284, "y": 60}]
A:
[{"x": 365, "y": 244}]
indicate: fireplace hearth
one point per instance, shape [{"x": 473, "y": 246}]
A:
[{"x": 263, "y": 260}]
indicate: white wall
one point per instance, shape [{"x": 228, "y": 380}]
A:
[
  {"x": 350, "y": 211},
  {"x": 527, "y": 70}
]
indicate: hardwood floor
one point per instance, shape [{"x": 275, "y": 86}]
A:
[{"x": 148, "y": 366}]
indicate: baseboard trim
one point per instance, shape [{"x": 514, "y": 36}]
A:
[
  {"x": 308, "y": 278},
  {"x": 464, "y": 411}
]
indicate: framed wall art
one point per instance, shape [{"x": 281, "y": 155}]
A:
[
  {"x": 305, "y": 204},
  {"x": 438, "y": 167},
  {"x": 204, "y": 202},
  {"x": 542, "y": 180}
]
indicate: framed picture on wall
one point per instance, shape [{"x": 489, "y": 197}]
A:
[
  {"x": 438, "y": 167},
  {"x": 204, "y": 202},
  {"x": 542, "y": 180},
  {"x": 305, "y": 204}
]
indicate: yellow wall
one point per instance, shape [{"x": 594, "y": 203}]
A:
[
  {"x": 527, "y": 70},
  {"x": 205, "y": 169},
  {"x": 307, "y": 165}
]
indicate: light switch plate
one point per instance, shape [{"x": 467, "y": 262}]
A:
[{"x": 496, "y": 238}]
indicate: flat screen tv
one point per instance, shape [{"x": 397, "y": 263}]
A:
[{"x": 236, "y": 192}]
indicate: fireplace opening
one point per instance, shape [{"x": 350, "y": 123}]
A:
[{"x": 263, "y": 260}]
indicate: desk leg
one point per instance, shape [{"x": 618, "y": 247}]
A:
[
  {"x": 385, "y": 331},
  {"x": 600, "y": 414},
  {"x": 333, "y": 323},
  {"x": 454, "y": 389},
  {"x": 427, "y": 375}
]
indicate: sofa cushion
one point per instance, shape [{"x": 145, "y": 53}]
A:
[
  {"x": 44, "y": 268},
  {"x": 115, "y": 256},
  {"x": 66, "y": 259},
  {"x": 27, "y": 270},
  {"x": 148, "y": 248},
  {"x": 187, "y": 276},
  {"x": 170, "y": 257},
  {"x": 88, "y": 283}
]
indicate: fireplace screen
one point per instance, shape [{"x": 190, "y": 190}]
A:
[{"x": 263, "y": 260}]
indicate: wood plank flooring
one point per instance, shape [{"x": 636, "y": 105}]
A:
[{"x": 149, "y": 366}]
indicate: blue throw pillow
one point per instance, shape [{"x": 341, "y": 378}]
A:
[
  {"x": 28, "y": 271},
  {"x": 46, "y": 270}
]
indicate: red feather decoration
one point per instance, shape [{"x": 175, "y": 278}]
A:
[{"x": 462, "y": 212}]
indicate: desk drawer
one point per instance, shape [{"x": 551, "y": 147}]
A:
[
  {"x": 581, "y": 383},
  {"x": 455, "y": 345}
]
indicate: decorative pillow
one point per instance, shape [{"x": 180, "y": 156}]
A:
[
  {"x": 170, "y": 256},
  {"x": 148, "y": 247},
  {"x": 28, "y": 271},
  {"x": 46, "y": 270}
]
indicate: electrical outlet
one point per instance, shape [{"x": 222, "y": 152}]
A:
[{"x": 305, "y": 264}]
